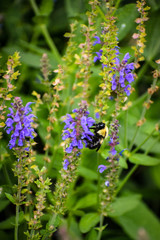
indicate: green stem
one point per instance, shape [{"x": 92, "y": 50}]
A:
[
  {"x": 101, "y": 13},
  {"x": 117, "y": 4},
  {"x": 151, "y": 146},
  {"x": 16, "y": 223},
  {"x": 145, "y": 140},
  {"x": 142, "y": 115},
  {"x": 135, "y": 135},
  {"x": 46, "y": 33},
  {"x": 17, "y": 211},
  {"x": 135, "y": 166},
  {"x": 142, "y": 71},
  {"x": 126, "y": 178},
  {"x": 98, "y": 192},
  {"x": 126, "y": 129},
  {"x": 100, "y": 227}
]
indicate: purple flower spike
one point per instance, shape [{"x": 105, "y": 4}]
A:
[
  {"x": 77, "y": 129},
  {"x": 19, "y": 123},
  {"x": 102, "y": 168}
]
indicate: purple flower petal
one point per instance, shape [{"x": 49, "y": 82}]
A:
[
  {"x": 107, "y": 183},
  {"x": 97, "y": 41},
  {"x": 102, "y": 168},
  {"x": 65, "y": 164}
]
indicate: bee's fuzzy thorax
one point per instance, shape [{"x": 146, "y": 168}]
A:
[{"x": 103, "y": 132}]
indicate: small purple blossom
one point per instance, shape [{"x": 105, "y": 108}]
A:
[
  {"x": 122, "y": 152},
  {"x": 19, "y": 123},
  {"x": 97, "y": 41},
  {"x": 97, "y": 115},
  {"x": 113, "y": 151},
  {"x": 65, "y": 164},
  {"x": 107, "y": 183},
  {"x": 98, "y": 57},
  {"x": 102, "y": 168}
]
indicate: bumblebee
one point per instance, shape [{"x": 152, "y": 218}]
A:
[{"x": 100, "y": 133}]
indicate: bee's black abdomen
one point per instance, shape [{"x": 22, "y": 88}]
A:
[{"x": 97, "y": 139}]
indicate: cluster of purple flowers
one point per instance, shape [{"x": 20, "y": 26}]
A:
[
  {"x": 77, "y": 130},
  {"x": 19, "y": 123},
  {"x": 123, "y": 76}
]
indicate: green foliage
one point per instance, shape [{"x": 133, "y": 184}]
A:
[
  {"x": 140, "y": 219},
  {"x": 88, "y": 221}
]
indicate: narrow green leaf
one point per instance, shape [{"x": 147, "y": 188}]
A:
[
  {"x": 87, "y": 201},
  {"x": 142, "y": 159},
  {"x": 124, "y": 204},
  {"x": 10, "y": 197},
  {"x": 88, "y": 221}
]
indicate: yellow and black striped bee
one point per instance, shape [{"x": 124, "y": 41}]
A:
[{"x": 100, "y": 133}]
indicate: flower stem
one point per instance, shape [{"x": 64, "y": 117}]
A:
[
  {"x": 46, "y": 33},
  {"x": 142, "y": 115},
  {"x": 145, "y": 140},
  {"x": 17, "y": 211},
  {"x": 126, "y": 178},
  {"x": 125, "y": 129},
  {"x": 100, "y": 227},
  {"x": 16, "y": 223}
]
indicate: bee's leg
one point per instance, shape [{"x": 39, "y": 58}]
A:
[{"x": 98, "y": 147}]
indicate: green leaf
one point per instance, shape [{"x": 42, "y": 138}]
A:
[
  {"x": 92, "y": 235},
  {"x": 8, "y": 223},
  {"x": 155, "y": 173},
  {"x": 124, "y": 204},
  {"x": 153, "y": 37},
  {"x": 87, "y": 173},
  {"x": 125, "y": 19},
  {"x": 142, "y": 159},
  {"x": 122, "y": 163},
  {"x": 87, "y": 201},
  {"x": 46, "y": 7},
  {"x": 10, "y": 197},
  {"x": 88, "y": 221},
  {"x": 3, "y": 204},
  {"x": 40, "y": 19},
  {"x": 140, "y": 218}
]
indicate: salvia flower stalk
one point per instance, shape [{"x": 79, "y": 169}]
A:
[
  {"x": 19, "y": 123},
  {"x": 75, "y": 133}
]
